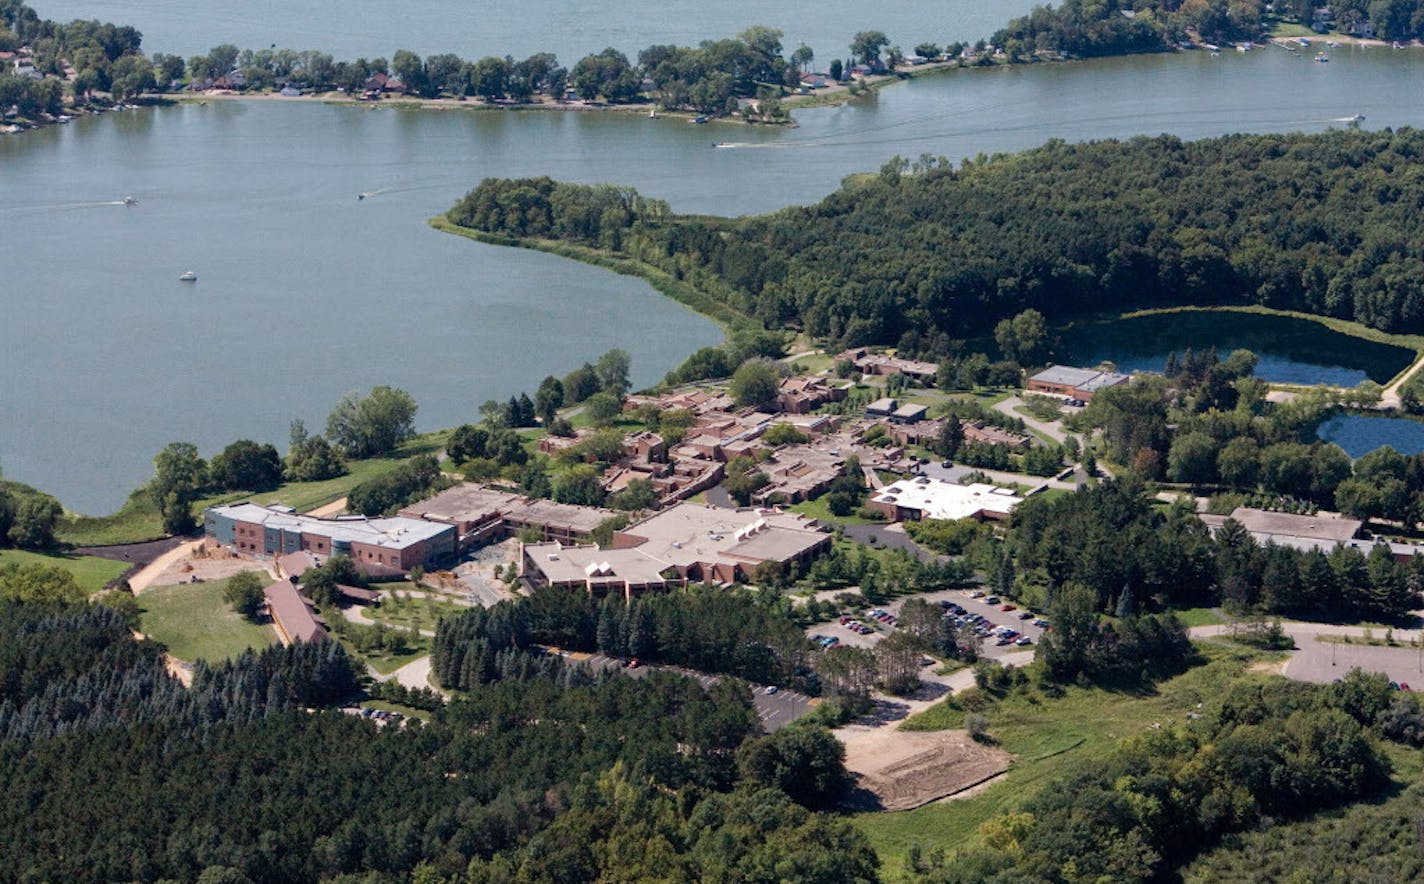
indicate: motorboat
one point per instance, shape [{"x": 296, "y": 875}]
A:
[
  {"x": 188, "y": 276},
  {"x": 130, "y": 201}
]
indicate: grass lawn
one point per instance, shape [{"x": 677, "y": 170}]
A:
[
  {"x": 138, "y": 520},
  {"x": 1198, "y": 617},
  {"x": 386, "y": 663},
  {"x": 196, "y": 624},
  {"x": 811, "y": 363},
  {"x": 420, "y": 613},
  {"x": 818, "y": 509},
  {"x": 1047, "y": 738},
  {"x": 90, "y": 572}
]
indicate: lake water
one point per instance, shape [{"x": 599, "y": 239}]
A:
[
  {"x": 1291, "y": 351},
  {"x": 569, "y": 28},
  {"x": 306, "y": 293},
  {"x": 1360, "y": 434}
]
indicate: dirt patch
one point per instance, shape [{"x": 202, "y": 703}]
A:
[
  {"x": 203, "y": 561},
  {"x": 901, "y": 770}
]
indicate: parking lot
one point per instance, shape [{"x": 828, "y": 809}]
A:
[
  {"x": 776, "y": 710},
  {"x": 847, "y": 635}
]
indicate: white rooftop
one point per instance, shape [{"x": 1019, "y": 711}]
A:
[
  {"x": 396, "y": 532},
  {"x": 936, "y": 499}
]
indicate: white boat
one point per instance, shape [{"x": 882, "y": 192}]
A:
[
  {"x": 130, "y": 201},
  {"x": 188, "y": 276}
]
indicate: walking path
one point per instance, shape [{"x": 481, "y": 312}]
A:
[
  {"x": 1390, "y": 398},
  {"x": 335, "y": 508},
  {"x": 1053, "y": 430}
]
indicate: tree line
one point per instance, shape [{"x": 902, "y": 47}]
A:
[
  {"x": 1132, "y": 556},
  {"x": 120, "y": 772},
  {"x": 1264, "y": 751},
  {"x": 925, "y": 254}
]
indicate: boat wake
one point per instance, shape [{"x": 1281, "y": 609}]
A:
[{"x": 65, "y": 207}]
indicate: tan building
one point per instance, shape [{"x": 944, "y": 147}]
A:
[{"x": 685, "y": 543}]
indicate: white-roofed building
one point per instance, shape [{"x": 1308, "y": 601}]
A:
[{"x": 926, "y": 498}]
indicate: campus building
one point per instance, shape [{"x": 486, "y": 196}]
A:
[
  {"x": 1074, "y": 383},
  {"x": 687, "y": 543},
  {"x": 292, "y": 614},
  {"x": 925, "y": 498},
  {"x": 480, "y": 514},
  {"x": 273, "y": 531}
]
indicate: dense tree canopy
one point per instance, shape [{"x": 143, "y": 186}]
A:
[{"x": 1321, "y": 223}]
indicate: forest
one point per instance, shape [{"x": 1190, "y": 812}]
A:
[
  {"x": 116, "y": 771},
  {"x": 924, "y": 254}
]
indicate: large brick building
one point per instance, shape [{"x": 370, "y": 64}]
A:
[{"x": 400, "y": 543}]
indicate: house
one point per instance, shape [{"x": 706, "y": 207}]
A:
[
  {"x": 804, "y": 394},
  {"x": 397, "y": 543},
  {"x": 1074, "y": 383},
  {"x": 926, "y": 498}
]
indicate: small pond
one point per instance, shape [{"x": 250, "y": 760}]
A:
[
  {"x": 1291, "y": 350},
  {"x": 1359, "y": 434}
]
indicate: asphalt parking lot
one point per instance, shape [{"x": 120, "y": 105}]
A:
[
  {"x": 775, "y": 710},
  {"x": 1323, "y": 662},
  {"x": 961, "y": 597}
]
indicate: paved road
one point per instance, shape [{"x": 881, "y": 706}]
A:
[{"x": 1053, "y": 430}]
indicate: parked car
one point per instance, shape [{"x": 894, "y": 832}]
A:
[
  {"x": 1041, "y": 623},
  {"x": 771, "y": 689},
  {"x": 1024, "y": 641},
  {"x": 977, "y": 594},
  {"x": 1008, "y": 607},
  {"x": 634, "y": 663},
  {"x": 992, "y": 600},
  {"x": 1025, "y": 615}
]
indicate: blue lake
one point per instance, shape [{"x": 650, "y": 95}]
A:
[
  {"x": 1291, "y": 351},
  {"x": 1359, "y": 434}
]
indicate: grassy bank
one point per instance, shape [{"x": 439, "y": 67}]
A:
[
  {"x": 138, "y": 519},
  {"x": 1047, "y": 737},
  {"x": 691, "y": 297},
  {"x": 196, "y": 623},
  {"x": 90, "y": 572}
]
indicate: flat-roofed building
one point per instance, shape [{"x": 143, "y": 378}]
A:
[
  {"x": 480, "y": 514},
  {"x": 926, "y": 498},
  {"x": 398, "y": 542},
  {"x": 685, "y": 543},
  {"x": 1074, "y": 383},
  {"x": 1321, "y": 531}
]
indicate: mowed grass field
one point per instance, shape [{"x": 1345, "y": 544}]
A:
[
  {"x": 195, "y": 623},
  {"x": 1047, "y": 736},
  {"x": 90, "y": 572}
]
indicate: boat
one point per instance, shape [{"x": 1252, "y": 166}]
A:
[
  {"x": 188, "y": 276},
  {"x": 1333, "y": 45},
  {"x": 130, "y": 201},
  {"x": 700, "y": 120},
  {"x": 1321, "y": 57}
]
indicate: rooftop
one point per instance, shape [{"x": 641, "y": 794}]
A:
[
  {"x": 562, "y": 564},
  {"x": 1065, "y": 375},
  {"x": 688, "y": 533},
  {"x": 292, "y": 614},
  {"x": 936, "y": 499},
  {"x": 397, "y": 532},
  {"x": 1329, "y": 528}
]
